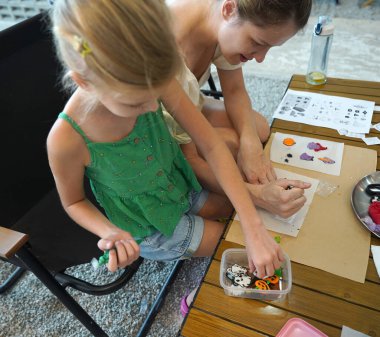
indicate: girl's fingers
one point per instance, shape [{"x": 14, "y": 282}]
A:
[
  {"x": 112, "y": 261},
  {"x": 251, "y": 266},
  {"x": 122, "y": 254},
  {"x": 281, "y": 257},
  {"x": 130, "y": 252},
  {"x": 276, "y": 264},
  {"x": 269, "y": 270},
  {"x": 136, "y": 248},
  {"x": 105, "y": 244},
  {"x": 260, "y": 272}
]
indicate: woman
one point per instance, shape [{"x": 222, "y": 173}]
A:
[{"x": 228, "y": 33}]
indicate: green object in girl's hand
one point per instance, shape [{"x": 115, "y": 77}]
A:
[
  {"x": 277, "y": 239},
  {"x": 102, "y": 260},
  {"x": 278, "y": 272}
]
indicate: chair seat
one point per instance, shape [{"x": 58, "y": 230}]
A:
[{"x": 56, "y": 240}]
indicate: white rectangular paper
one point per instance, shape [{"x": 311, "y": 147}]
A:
[
  {"x": 292, "y": 225},
  {"x": 376, "y": 257},
  {"x": 338, "y": 113},
  {"x": 371, "y": 140},
  {"x": 351, "y": 134},
  {"x": 348, "y": 332},
  {"x": 291, "y": 155}
]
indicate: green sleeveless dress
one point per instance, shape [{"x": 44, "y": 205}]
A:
[{"x": 143, "y": 180}]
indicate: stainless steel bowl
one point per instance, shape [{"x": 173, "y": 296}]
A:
[{"x": 360, "y": 200}]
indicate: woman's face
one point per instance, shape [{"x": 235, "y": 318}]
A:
[{"x": 243, "y": 41}]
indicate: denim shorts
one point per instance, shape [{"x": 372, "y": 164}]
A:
[{"x": 186, "y": 237}]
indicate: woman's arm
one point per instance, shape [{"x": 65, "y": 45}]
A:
[
  {"x": 251, "y": 158},
  {"x": 263, "y": 252}
]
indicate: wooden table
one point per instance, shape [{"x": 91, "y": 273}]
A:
[{"x": 320, "y": 298}]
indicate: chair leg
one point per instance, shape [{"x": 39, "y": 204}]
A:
[
  {"x": 159, "y": 300},
  {"x": 12, "y": 279},
  {"x": 213, "y": 90},
  {"x": 53, "y": 285}
]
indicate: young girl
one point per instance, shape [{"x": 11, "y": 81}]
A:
[
  {"x": 123, "y": 58},
  {"x": 229, "y": 33}
]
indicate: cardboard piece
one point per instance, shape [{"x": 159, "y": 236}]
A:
[{"x": 332, "y": 238}]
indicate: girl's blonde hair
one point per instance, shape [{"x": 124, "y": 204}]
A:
[{"x": 116, "y": 41}]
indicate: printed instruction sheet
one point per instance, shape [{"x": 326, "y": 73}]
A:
[
  {"x": 308, "y": 153},
  {"x": 338, "y": 113}
]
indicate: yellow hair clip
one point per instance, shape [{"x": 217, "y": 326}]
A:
[{"x": 81, "y": 46}]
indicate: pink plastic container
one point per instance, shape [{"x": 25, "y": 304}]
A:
[{"x": 297, "y": 327}]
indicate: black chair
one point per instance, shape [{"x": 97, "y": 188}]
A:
[
  {"x": 35, "y": 232},
  {"x": 213, "y": 91}
]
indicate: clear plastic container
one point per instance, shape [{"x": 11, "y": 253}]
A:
[
  {"x": 320, "y": 49},
  {"x": 239, "y": 256}
]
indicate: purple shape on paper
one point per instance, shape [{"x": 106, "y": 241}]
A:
[
  {"x": 316, "y": 146},
  {"x": 305, "y": 156},
  {"x": 312, "y": 146}
]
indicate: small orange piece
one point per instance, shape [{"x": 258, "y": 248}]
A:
[
  {"x": 262, "y": 285},
  {"x": 272, "y": 279},
  {"x": 288, "y": 141}
]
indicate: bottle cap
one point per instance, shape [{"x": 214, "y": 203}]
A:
[{"x": 324, "y": 26}]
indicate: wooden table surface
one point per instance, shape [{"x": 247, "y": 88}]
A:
[{"x": 324, "y": 300}]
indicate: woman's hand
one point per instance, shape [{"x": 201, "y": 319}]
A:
[
  {"x": 283, "y": 197},
  {"x": 255, "y": 165},
  {"x": 123, "y": 249}
]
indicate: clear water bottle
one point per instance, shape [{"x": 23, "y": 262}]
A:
[{"x": 320, "y": 48}]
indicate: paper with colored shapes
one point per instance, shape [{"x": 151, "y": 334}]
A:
[
  {"x": 307, "y": 153},
  {"x": 292, "y": 225}
]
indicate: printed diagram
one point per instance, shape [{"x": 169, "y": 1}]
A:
[
  {"x": 327, "y": 111},
  {"x": 295, "y": 105}
]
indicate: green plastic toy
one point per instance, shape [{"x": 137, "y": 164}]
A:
[{"x": 101, "y": 261}]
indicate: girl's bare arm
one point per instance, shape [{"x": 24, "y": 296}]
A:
[
  {"x": 68, "y": 154},
  {"x": 263, "y": 252}
]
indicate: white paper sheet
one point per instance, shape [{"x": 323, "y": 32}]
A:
[
  {"x": 376, "y": 257},
  {"x": 338, "y": 113},
  {"x": 291, "y": 155},
  {"x": 348, "y": 332},
  {"x": 292, "y": 225},
  {"x": 371, "y": 140}
]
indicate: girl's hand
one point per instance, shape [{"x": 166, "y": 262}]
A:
[
  {"x": 264, "y": 254},
  {"x": 123, "y": 249}
]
